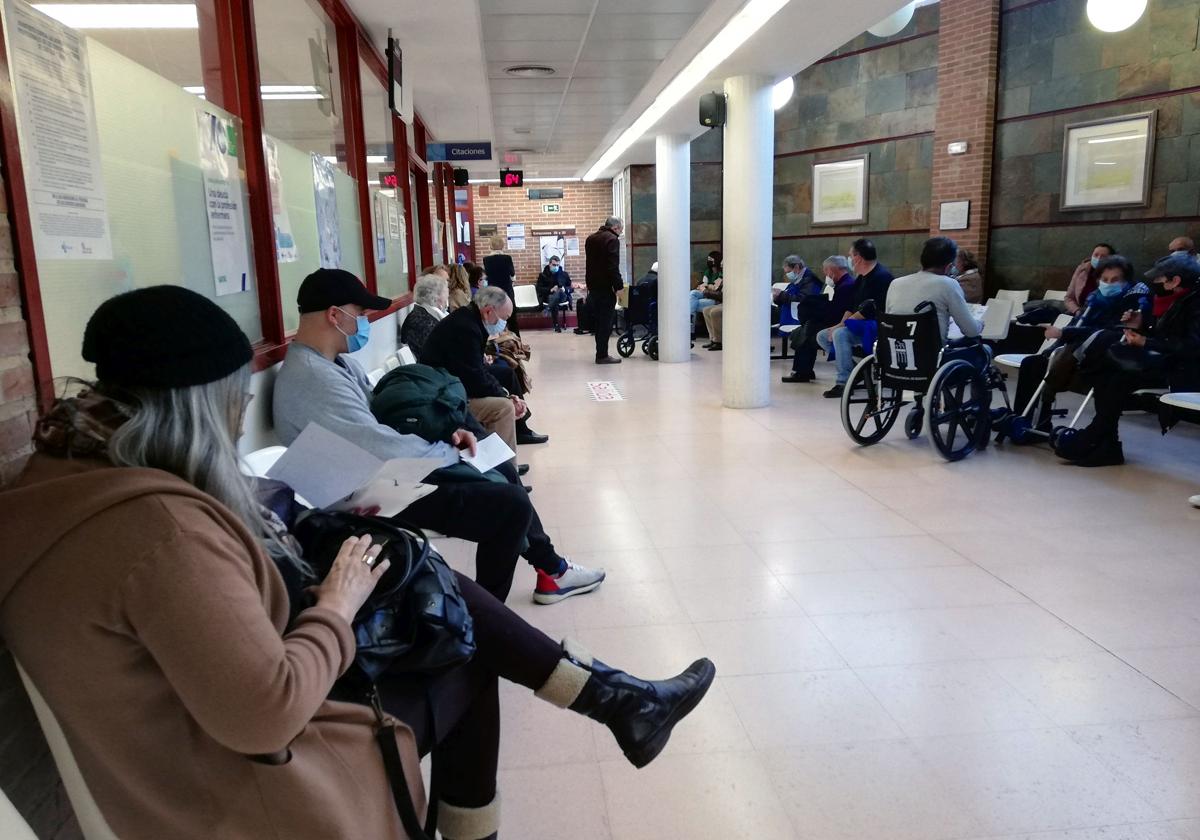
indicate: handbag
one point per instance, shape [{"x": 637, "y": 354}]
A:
[{"x": 416, "y": 620}]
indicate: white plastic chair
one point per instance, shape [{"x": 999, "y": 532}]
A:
[
  {"x": 525, "y": 297},
  {"x": 12, "y": 824},
  {"x": 1055, "y": 294},
  {"x": 87, "y": 812},
  {"x": 1017, "y": 296},
  {"x": 1013, "y": 360},
  {"x": 260, "y": 461},
  {"x": 406, "y": 356}
]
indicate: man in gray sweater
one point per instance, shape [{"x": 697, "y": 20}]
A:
[
  {"x": 319, "y": 383},
  {"x": 931, "y": 284}
]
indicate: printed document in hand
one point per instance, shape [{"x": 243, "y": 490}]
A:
[
  {"x": 331, "y": 472},
  {"x": 489, "y": 453}
]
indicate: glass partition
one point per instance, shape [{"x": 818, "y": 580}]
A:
[{"x": 388, "y": 217}]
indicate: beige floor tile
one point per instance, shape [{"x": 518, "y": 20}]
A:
[
  {"x": 1160, "y": 759},
  {"x": 832, "y": 593},
  {"x": 712, "y": 562},
  {"x": 535, "y": 734},
  {"x": 950, "y": 698},
  {"x": 1008, "y": 630},
  {"x": 811, "y": 554},
  {"x": 651, "y": 651},
  {"x": 892, "y": 638},
  {"x": 767, "y": 646},
  {"x": 578, "y": 809},
  {"x": 815, "y": 707},
  {"x": 723, "y": 796},
  {"x": 952, "y": 586},
  {"x": 1177, "y": 669},
  {"x": 1091, "y": 689},
  {"x": 881, "y": 789},
  {"x": 1030, "y": 781},
  {"x": 1139, "y": 831},
  {"x": 724, "y": 600},
  {"x": 1188, "y": 829},
  {"x": 626, "y": 605}
]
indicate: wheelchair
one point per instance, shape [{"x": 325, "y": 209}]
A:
[
  {"x": 641, "y": 312},
  {"x": 952, "y": 387}
]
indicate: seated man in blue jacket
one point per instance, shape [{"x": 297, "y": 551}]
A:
[
  {"x": 554, "y": 289},
  {"x": 320, "y": 382},
  {"x": 814, "y": 310}
]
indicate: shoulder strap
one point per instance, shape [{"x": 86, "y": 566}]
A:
[{"x": 394, "y": 766}]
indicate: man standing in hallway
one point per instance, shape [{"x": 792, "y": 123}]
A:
[{"x": 603, "y": 273}]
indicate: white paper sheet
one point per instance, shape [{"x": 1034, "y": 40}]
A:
[
  {"x": 489, "y": 453},
  {"x": 223, "y": 203},
  {"x": 332, "y": 472}
]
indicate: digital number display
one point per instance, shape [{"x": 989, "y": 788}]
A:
[
  {"x": 389, "y": 179},
  {"x": 512, "y": 178}
]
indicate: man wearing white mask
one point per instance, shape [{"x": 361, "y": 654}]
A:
[{"x": 817, "y": 312}]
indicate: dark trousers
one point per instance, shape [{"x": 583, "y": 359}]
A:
[
  {"x": 557, "y": 298},
  {"x": 503, "y": 373},
  {"x": 494, "y": 516},
  {"x": 456, "y": 716},
  {"x": 806, "y": 354},
  {"x": 603, "y": 306}
]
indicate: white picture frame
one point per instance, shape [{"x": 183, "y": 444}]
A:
[
  {"x": 1108, "y": 163},
  {"x": 839, "y": 191}
]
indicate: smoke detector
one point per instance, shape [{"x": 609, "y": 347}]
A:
[{"x": 530, "y": 71}]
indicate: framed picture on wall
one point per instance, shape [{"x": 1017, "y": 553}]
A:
[
  {"x": 839, "y": 191},
  {"x": 1107, "y": 163}
]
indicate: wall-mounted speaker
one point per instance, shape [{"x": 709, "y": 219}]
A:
[
  {"x": 461, "y": 177},
  {"x": 712, "y": 110}
]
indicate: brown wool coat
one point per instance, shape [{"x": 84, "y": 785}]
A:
[{"x": 153, "y": 624}]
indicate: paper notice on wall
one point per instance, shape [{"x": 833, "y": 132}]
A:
[
  {"x": 403, "y": 247},
  {"x": 515, "y": 230},
  {"x": 223, "y": 203},
  {"x": 572, "y": 246},
  {"x": 56, "y": 120},
  {"x": 285, "y": 243},
  {"x": 393, "y": 220},
  {"x": 329, "y": 234},
  {"x": 379, "y": 209},
  {"x": 516, "y": 243},
  {"x": 553, "y": 246}
]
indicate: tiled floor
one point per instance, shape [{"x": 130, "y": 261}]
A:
[{"x": 1002, "y": 647}]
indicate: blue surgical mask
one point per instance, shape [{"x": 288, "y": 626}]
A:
[
  {"x": 358, "y": 339},
  {"x": 496, "y": 328},
  {"x": 1180, "y": 254},
  {"x": 554, "y": 269},
  {"x": 1095, "y": 262},
  {"x": 1110, "y": 289},
  {"x": 952, "y": 271},
  {"x": 792, "y": 276}
]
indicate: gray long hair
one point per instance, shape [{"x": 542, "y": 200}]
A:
[
  {"x": 429, "y": 290},
  {"x": 192, "y": 432}
]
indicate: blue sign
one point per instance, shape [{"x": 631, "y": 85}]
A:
[{"x": 437, "y": 152}]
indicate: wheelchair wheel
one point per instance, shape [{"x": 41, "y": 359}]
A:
[
  {"x": 869, "y": 409},
  {"x": 960, "y": 417},
  {"x": 652, "y": 347},
  {"x": 914, "y": 422},
  {"x": 625, "y": 345}
]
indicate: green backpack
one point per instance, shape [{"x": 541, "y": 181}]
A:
[{"x": 421, "y": 400}]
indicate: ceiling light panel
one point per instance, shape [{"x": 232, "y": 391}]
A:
[{"x": 122, "y": 15}]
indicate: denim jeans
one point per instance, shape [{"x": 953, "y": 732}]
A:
[
  {"x": 698, "y": 301},
  {"x": 558, "y": 297},
  {"x": 843, "y": 342}
]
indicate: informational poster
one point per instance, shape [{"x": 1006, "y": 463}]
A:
[
  {"x": 223, "y": 203},
  {"x": 403, "y": 247},
  {"x": 395, "y": 231},
  {"x": 56, "y": 119},
  {"x": 553, "y": 246},
  {"x": 516, "y": 244},
  {"x": 515, "y": 230},
  {"x": 285, "y": 244},
  {"x": 380, "y": 228},
  {"x": 329, "y": 234},
  {"x": 572, "y": 246}
]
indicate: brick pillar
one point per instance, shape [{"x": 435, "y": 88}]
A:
[{"x": 969, "y": 35}]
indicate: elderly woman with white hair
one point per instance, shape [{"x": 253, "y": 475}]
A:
[{"x": 431, "y": 297}]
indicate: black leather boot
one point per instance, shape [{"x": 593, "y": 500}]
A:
[{"x": 639, "y": 713}]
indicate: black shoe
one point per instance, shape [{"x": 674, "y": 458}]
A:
[
  {"x": 608, "y": 360},
  {"x": 1107, "y": 454},
  {"x": 558, "y": 329},
  {"x": 527, "y": 436},
  {"x": 641, "y": 714},
  {"x": 834, "y": 393},
  {"x": 528, "y": 488},
  {"x": 799, "y": 377},
  {"x": 716, "y": 345},
  {"x": 522, "y": 469}
]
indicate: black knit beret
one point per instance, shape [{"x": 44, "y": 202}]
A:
[{"x": 163, "y": 337}]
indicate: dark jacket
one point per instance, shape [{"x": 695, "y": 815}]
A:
[
  {"x": 417, "y": 326},
  {"x": 1103, "y": 313},
  {"x": 603, "y": 266},
  {"x": 870, "y": 291},
  {"x": 420, "y": 400},
  {"x": 499, "y": 271},
  {"x": 457, "y": 345},
  {"x": 843, "y": 301},
  {"x": 808, "y": 293},
  {"x": 1176, "y": 336},
  {"x": 547, "y": 280}
]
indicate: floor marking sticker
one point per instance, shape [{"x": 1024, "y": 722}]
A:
[{"x": 604, "y": 392}]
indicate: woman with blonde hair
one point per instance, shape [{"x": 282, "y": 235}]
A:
[
  {"x": 500, "y": 272},
  {"x": 460, "y": 287}
]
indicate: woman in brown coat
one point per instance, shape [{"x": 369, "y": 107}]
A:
[{"x": 192, "y": 691}]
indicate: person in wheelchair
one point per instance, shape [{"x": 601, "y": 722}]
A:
[
  {"x": 932, "y": 284},
  {"x": 1117, "y": 296},
  {"x": 1146, "y": 355}
]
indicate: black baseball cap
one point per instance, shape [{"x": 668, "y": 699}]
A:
[
  {"x": 1183, "y": 266},
  {"x": 328, "y": 287}
]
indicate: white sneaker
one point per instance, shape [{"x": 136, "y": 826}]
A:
[
  {"x": 1195, "y": 500},
  {"x": 576, "y": 580}
]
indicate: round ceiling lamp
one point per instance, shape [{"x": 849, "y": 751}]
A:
[
  {"x": 782, "y": 92},
  {"x": 1115, "y": 15},
  {"x": 893, "y": 23}
]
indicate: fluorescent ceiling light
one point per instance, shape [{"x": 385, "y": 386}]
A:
[
  {"x": 122, "y": 15},
  {"x": 275, "y": 92},
  {"x": 782, "y": 92},
  {"x": 548, "y": 180},
  {"x": 484, "y": 181},
  {"x": 377, "y": 159},
  {"x": 740, "y": 28}
]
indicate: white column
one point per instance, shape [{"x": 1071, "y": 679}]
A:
[
  {"x": 673, "y": 177},
  {"x": 746, "y": 218}
]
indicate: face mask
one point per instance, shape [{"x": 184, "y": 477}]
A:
[
  {"x": 1180, "y": 254},
  {"x": 1110, "y": 289},
  {"x": 1095, "y": 262},
  {"x": 358, "y": 339},
  {"x": 1161, "y": 289},
  {"x": 953, "y": 270},
  {"x": 554, "y": 269},
  {"x": 711, "y": 264},
  {"x": 829, "y": 281},
  {"x": 792, "y": 276},
  {"x": 496, "y": 328}
]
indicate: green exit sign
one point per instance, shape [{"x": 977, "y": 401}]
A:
[{"x": 551, "y": 208}]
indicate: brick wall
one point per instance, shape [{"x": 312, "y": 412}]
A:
[
  {"x": 966, "y": 81},
  {"x": 584, "y": 205},
  {"x": 27, "y": 772}
]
